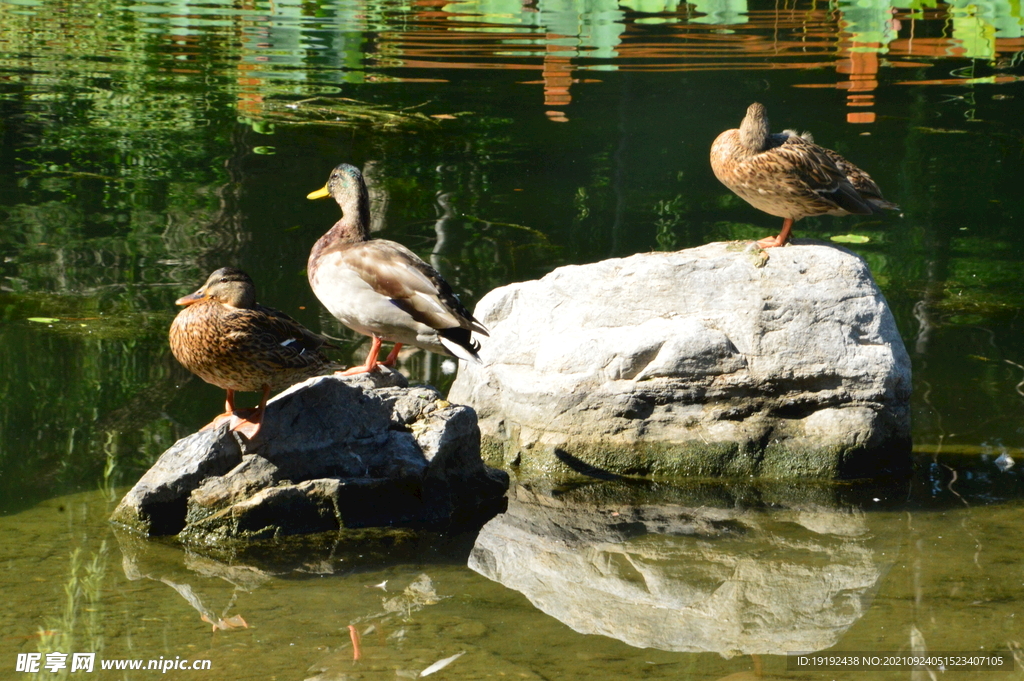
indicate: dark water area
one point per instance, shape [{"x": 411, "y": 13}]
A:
[{"x": 144, "y": 145}]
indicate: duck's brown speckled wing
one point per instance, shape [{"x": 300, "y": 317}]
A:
[
  {"x": 273, "y": 339},
  {"x": 245, "y": 348},
  {"x": 861, "y": 181},
  {"x": 811, "y": 169},
  {"x": 392, "y": 270}
]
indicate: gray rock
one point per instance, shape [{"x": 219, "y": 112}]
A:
[
  {"x": 333, "y": 453},
  {"x": 713, "y": 361},
  {"x": 690, "y": 570}
]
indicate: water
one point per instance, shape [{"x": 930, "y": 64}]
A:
[{"x": 144, "y": 145}]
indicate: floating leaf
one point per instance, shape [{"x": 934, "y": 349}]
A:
[
  {"x": 44, "y": 320},
  {"x": 850, "y": 238}
]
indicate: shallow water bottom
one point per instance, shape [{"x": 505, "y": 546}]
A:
[{"x": 583, "y": 581}]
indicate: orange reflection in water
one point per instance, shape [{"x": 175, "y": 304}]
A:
[{"x": 441, "y": 35}]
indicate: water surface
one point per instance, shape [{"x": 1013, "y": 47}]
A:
[{"x": 143, "y": 145}]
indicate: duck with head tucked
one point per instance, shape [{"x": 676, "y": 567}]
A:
[
  {"x": 380, "y": 288},
  {"x": 787, "y": 175},
  {"x": 228, "y": 339}
]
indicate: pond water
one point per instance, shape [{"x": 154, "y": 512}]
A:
[{"x": 143, "y": 145}]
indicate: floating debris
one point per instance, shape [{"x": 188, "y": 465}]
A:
[
  {"x": 1004, "y": 462},
  {"x": 354, "y": 635},
  {"x": 441, "y": 664},
  {"x": 417, "y": 595}
]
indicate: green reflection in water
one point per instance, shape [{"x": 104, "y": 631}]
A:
[
  {"x": 132, "y": 140},
  {"x": 870, "y": 22},
  {"x": 721, "y": 11}
]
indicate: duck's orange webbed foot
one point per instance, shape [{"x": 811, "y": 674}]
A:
[
  {"x": 244, "y": 421},
  {"x": 369, "y": 365},
  {"x": 218, "y": 421},
  {"x": 352, "y": 371},
  {"x": 247, "y": 422},
  {"x": 781, "y": 239},
  {"x": 770, "y": 242}
]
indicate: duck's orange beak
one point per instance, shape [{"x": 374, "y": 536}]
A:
[{"x": 191, "y": 298}]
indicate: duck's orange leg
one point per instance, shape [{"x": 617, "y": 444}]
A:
[
  {"x": 781, "y": 239},
  {"x": 248, "y": 421},
  {"x": 245, "y": 421},
  {"x": 371, "y": 361},
  {"x": 392, "y": 356}
]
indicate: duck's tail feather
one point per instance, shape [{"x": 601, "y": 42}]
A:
[
  {"x": 878, "y": 204},
  {"x": 459, "y": 342}
]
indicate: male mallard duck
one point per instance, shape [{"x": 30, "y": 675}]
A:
[
  {"x": 228, "y": 339},
  {"x": 787, "y": 175},
  {"x": 380, "y": 288}
]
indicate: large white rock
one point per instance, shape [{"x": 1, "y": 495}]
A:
[{"x": 718, "y": 360}]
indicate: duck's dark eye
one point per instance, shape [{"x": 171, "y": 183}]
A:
[{"x": 224, "y": 280}]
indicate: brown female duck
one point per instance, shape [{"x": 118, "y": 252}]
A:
[
  {"x": 228, "y": 339},
  {"x": 380, "y": 288},
  {"x": 787, "y": 175}
]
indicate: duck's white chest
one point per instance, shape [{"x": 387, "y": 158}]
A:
[{"x": 355, "y": 303}]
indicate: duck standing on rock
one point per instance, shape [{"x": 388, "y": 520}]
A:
[
  {"x": 228, "y": 339},
  {"x": 787, "y": 175},
  {"x": 380, "y": 288}
]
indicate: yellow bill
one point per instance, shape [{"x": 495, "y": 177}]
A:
[{"x": 319, "y": 193}]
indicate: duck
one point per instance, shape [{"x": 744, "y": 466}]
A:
[
  {"x": 229, "y": 340},
  {"x": 787, "y": 175},
  {"x": 380, "y": 288}
]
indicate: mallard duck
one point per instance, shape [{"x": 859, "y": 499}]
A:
[
  {"x": 228, "y": 339},
  {"x": 380, "y": 288},
  {"x": 787, "y": 175}
]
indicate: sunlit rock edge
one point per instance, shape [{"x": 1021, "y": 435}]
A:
[
  {"x": 333, "y": 453},
  {"x": 713, "y": 361}
]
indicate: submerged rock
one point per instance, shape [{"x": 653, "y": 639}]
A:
[
  {"x": 333, "y": 453},
  {"x": 713, "y": 361}
]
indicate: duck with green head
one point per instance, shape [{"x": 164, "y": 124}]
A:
[
  {"x": 380, "y": 288},
  {"x": 228, "y": 339}
]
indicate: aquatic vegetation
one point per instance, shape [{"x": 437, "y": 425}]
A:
[
  {"x": 79, "y": 625},
  {"x": 337, "y": 112}
]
